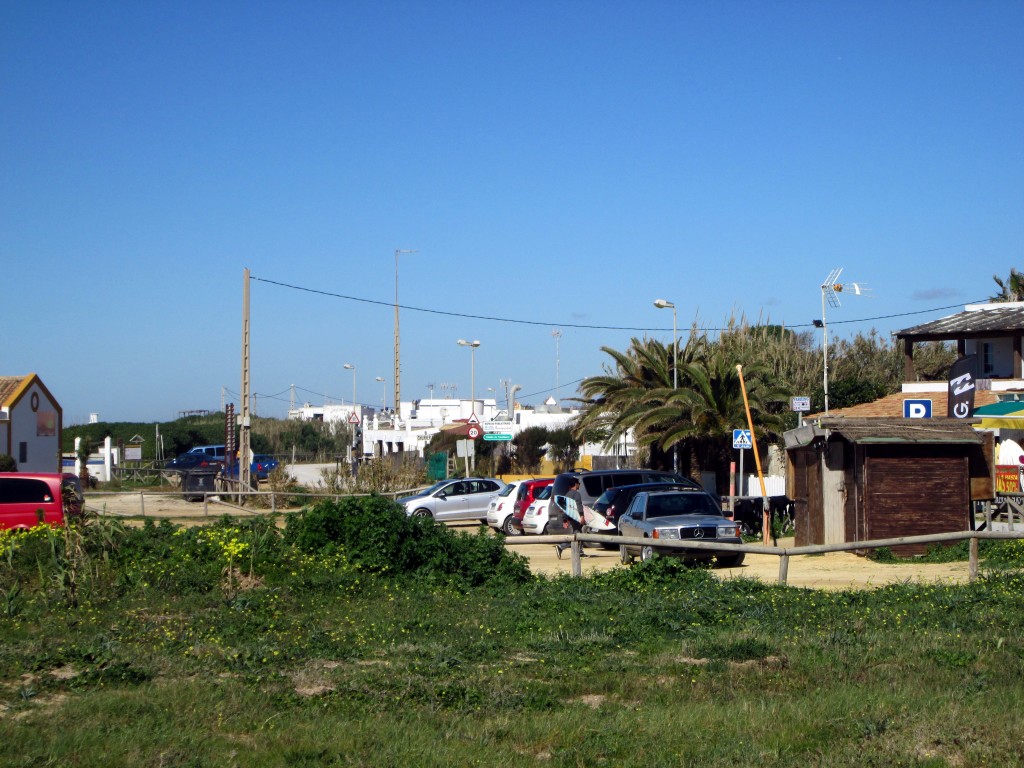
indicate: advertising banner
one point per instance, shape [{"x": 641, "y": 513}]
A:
[{"x": 962, "y": 380}]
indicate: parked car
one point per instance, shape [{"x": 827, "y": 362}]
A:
[
  {"x": 502, "y": 507},
  {"x": 214, "y": 451},
  {"x": 465, "y": 498},
  {"x": 593, "y": 484},
  {"x": 29, "y": 498},
  {"x": 187, "y": 462},
  {"x": 525, "y": 497},
  {"x": 613, "y": 503},
  {"x": 535, "y": 519},
  {"x": 678, "y": 516},
  {"x": 262, "y": 465}
]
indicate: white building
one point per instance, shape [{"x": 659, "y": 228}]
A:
[
  {"x": 30, "y": 424},
  {"x": 418, "y": 421}
]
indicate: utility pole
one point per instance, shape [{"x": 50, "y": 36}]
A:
[
  {"x": 557, "y": 335},
  {"x": 398, "y": 359},
  {"x": 244, "y": 443}
]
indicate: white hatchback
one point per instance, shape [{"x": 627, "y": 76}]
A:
[
  {"x": 502, "y": 507},
  {"x": 536, "y": 518}
]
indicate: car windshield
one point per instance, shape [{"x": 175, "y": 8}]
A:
[
  {"x": 507, "y": 490},
  {"x": 544, "y": 493},
  {"x": 664, "y": 505},
  {"x": 434, "y": 487}
]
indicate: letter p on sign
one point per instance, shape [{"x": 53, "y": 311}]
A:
[{"x": 917, "y": 409}]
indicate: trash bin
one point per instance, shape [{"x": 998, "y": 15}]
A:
[{"x": 197, "y": 482}]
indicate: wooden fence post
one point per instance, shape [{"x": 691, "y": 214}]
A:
[
  {"x": 972, "y": 562},
  {"x": 783, "y": 568},
  {"x": 142, "y": 503},
  {"x": 577, "y": 564}
]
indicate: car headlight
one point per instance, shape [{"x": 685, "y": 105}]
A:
[
  {"x": 666, "y": 533},
  {"x": 726, "y": 531}
]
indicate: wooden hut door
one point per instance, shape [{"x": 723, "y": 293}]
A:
[{"x": 833, "y": 493}]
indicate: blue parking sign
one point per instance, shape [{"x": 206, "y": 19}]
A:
[{"x": 917, "y": 409}]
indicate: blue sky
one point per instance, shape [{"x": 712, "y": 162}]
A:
[{"x": 562, "y": 163}]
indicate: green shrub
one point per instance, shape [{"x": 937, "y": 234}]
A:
[{"x": 377, "y": 535}]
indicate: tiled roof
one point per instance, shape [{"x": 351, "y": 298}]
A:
[
  {"x": 891, "y": 406},
  {"x": 8, "y": 386},
  {"x": 992, "y": 320}
]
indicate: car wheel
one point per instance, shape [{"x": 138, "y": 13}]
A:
[
  {"x": 507, "y": 528},
  {"x": 646, "y": 553},
  {"x": 624, "y": 557},
  {"x": 422, "y": 513},
  {"x": 730, "y": 561}
]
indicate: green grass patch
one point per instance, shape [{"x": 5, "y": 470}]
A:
[{"x": 360, "y": 638}]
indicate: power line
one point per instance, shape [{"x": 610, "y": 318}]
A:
[{"x": 547, "y": 324}]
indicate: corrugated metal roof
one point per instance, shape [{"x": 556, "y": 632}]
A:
[
  {"x": 991, "y": 320},
  {"x": 901, "y": 431}
]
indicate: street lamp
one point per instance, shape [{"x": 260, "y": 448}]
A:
[
  {"x": 383, "y": 393},
  {"x": 472, "y": 369},
  {"x": 350, "y": 367},
  {"x": 398, "y": 363},
  {"x": 663, "y": 304}
]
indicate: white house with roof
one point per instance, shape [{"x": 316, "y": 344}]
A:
[{"x": 31, "y": 420}]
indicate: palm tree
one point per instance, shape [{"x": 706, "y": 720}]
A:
[
  {"x": 1012, "y": 289},
  {"x": 637, "y": 394},
  {"x": 639, "y": 378},
  {"x": 706, "y": 408}
]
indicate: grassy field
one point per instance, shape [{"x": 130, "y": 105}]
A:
[{"x": 359, "y": 637}]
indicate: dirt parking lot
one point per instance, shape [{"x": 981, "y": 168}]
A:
[{"x": 837, "y": 570}]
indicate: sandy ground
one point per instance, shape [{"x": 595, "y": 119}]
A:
[{"x": 837, "y": 570}]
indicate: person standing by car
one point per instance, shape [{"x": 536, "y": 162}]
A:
[{"x": 568, "y": 510}]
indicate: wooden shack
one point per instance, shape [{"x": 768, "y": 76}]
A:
[{"x": 867, "y": 479}]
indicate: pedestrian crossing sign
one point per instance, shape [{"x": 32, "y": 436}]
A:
[{"x": 741, "y": 439}]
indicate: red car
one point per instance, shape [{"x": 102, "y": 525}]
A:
[
  {"x": 526, "y": 496},
  {"x": 28, "y": 499}
]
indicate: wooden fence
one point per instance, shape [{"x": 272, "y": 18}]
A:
[{"x": 783, "y": 553}]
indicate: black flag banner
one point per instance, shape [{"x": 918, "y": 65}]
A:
[{"x": 962, "y": 385}]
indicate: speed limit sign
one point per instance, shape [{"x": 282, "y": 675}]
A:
[{"x": 474, "y": 432}]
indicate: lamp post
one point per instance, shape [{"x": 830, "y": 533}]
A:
[
  {"x": 663, "y": 304},
  {"x": 398, "y": 359},
  {"x": 350, "y": 367},
  {"x": 472, "y": 369},
  {"x": 383, "y": 393}
]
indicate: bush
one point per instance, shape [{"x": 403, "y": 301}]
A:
[{"x": 377, "y": 535}]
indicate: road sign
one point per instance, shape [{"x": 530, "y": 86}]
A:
[
  {"x": 503, "y": 427},
  {"x": 800, "y": 404},
  {"x": 473, "y": 432},
  {"x": 472, "y": 419},
  {"x": 352, "y": 418},
  {"x": 741, "y": 439},
  {"x": 917, "y": 409},
  {"x": 493, "y": 436}
]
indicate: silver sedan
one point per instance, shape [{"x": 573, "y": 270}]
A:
[{"x": 685, "y": 515}]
